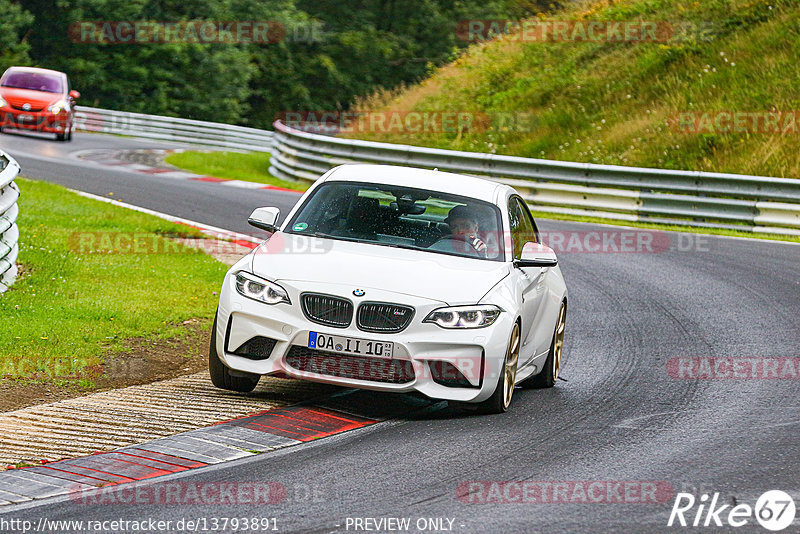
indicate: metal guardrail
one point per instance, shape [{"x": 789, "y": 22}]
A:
[
  {"x": 213, "y": 134},
  {"x": 690, "y": 198},
  {"x": 9, "y": 233}
]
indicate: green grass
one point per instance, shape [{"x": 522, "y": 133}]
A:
[
  {"x": 249, "y": 167},
  {"x": 613, "y": 103},
  {"x": 73, "y": 304}
]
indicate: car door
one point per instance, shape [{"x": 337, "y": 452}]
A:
[{"x": 529, "y": 281}]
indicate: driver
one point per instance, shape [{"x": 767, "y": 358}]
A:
[{"x": 463, "y": 224}]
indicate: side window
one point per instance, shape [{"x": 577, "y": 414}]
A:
[
  {"x": 523, "y": 228},
  {"x": 532, "y": 222}
]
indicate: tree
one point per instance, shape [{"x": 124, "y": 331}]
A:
[
  {"x": 331, "y": 52},
  {"x": 13, "y": 47}
]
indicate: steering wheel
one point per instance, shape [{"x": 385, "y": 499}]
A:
[{"x": 461, "y": 239}]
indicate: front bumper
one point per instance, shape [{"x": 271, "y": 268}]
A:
[
  {"x": 460, "y": 365},
  {"x": 40, "y": 121}
]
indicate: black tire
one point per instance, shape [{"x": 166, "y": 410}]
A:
[
  {"x": 69, "y": 134},
  {"x": 221, "y": 376},
  {"x": 61, "y": 137},
  {"x": 501, "y": 397},
  {"x": 552, "y": 365}
]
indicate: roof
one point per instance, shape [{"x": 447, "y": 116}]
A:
[
  {"x": 37, "y": 69},
  {"x": 446, "y": 182}
]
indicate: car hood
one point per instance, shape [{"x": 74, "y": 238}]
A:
[
  {"x": 34, "y": 98},
  {"x": 449, "y": 279}
]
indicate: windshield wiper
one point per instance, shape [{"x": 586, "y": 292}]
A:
[
  {"x": 395, "y": 245},
  {"x": 323, "y": 235}
]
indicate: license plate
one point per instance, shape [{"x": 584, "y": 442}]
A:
[
  {"x": 25, "y": 118},
  {"x": 350, "y": 345}
]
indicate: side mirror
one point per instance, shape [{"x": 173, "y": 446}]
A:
[
  {"x": 536, "y": 255},
  {"x": 74, "y": 94},
  {"x": 265, "y": 219}
]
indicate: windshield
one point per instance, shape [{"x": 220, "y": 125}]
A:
[
  {"x": 396, "y": 216},
  {"x": 34, "y": 81}
]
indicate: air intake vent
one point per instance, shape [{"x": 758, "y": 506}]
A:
[
  {"x": 327, "y": 310},
  {"x": 384, "y": 318},
  {"x": 447, "y": 374},
  {"x": 358, "y": 367},
  {"x": 257, "y": 348}
]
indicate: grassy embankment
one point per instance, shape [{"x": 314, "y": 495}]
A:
[
  {"x": 86, "y": 290},
  {"x": 617, "y": 103}
]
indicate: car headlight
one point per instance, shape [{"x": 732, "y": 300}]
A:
[
  {"x": 253, "y": 287},
  {"x": 3, "y": 102},
  {"x": 476, "y": 316},
  {"x": 58, "y": 107}
]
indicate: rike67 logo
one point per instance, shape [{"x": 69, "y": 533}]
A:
[{"x": 774, "y": 510}]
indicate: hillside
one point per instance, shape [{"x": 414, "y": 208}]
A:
[{"x": 716, "y": 65}]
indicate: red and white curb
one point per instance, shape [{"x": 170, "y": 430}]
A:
[
  {"x": 233, "y": 439},
  {"x": 111, "y": 158},
  {"x": 222, "y": 442}
]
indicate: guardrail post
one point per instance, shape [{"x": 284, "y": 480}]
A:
[{"x": 9, "y": 233}]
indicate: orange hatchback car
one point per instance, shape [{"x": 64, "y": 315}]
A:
[{"x": 37, "y": 99}]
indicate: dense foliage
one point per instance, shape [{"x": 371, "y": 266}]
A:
[
  {"x": 330, "y": 52},
  {"x": 624, "y": 103}
]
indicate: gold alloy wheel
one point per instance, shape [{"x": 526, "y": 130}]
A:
[
  {"x": 510, "y": 371},
  {"x": 558, "y": 342}
]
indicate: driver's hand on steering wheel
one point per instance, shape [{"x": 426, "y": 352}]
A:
[{"x": 477, "y": 244}]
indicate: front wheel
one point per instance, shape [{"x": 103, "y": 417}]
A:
[
  {"x": 501, "y": 398},
  {"x": 552, "y": 365},
  {"x": 221, "y": 376}
]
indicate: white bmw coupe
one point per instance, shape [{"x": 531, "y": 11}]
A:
[{"x": 396, "y": 279}]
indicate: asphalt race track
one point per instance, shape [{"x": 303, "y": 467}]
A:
[
  {"x": 41, "y": 157},
  {"x": 621, "y": 417}
]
